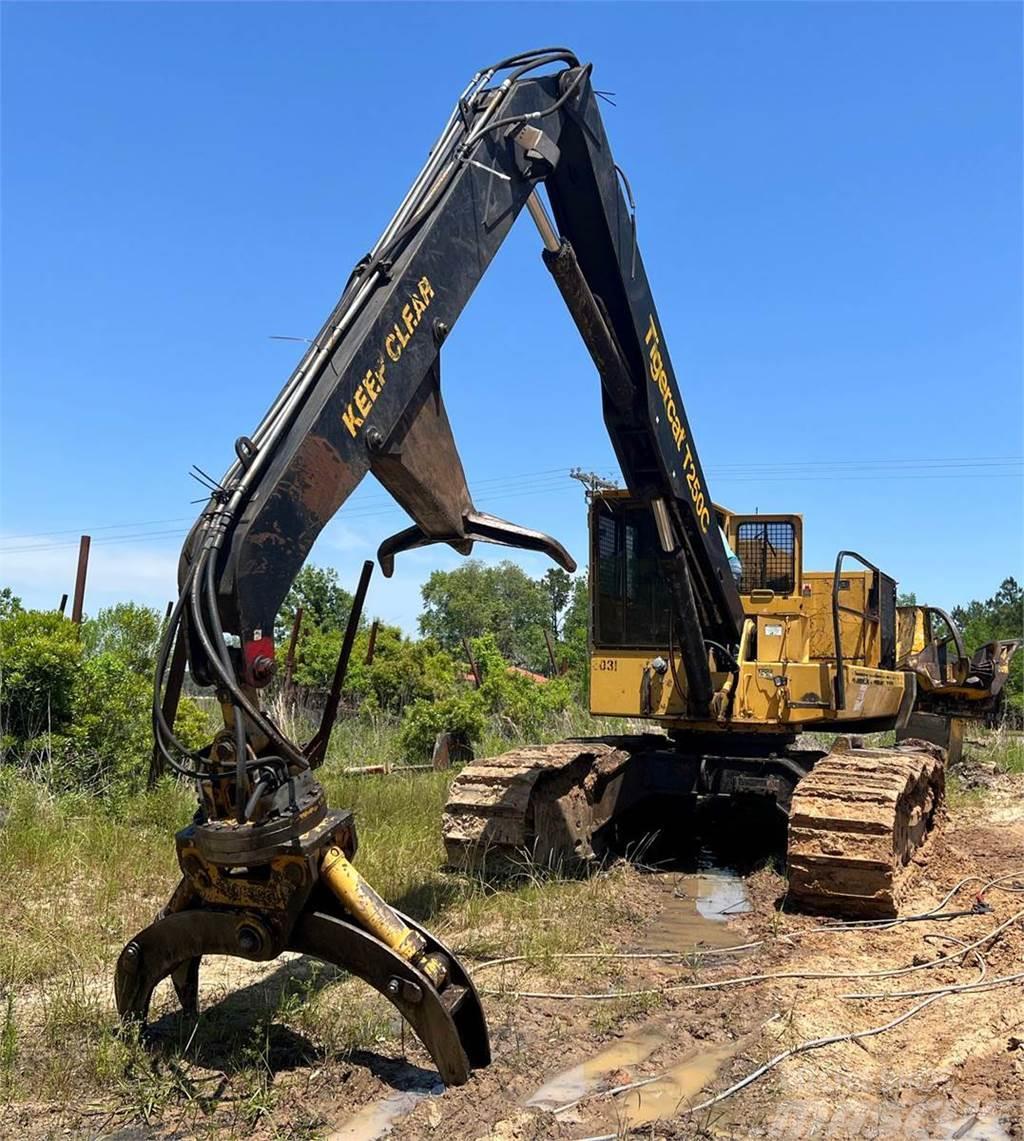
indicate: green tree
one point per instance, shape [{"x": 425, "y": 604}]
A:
[
  {"x": 906, "y": 598},
  {"x": 476, "y": 599},
  {"x": 576, "y": 624},
  {"x": 325, "y": 602},
  {"x": 995, "y": 618},
  {"x": 128, "y": 631},
  {"x": 9, "y": 603},
  {"x": 558, "y": 588},
  {"x": 402, "y": 670}
]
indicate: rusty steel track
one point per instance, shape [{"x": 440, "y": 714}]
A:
[
  {"x": 534, "y": 804},
  {"x": 857, "y": 824}
]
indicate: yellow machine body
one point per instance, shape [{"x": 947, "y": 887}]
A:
[{"x": 818, "y": 650}]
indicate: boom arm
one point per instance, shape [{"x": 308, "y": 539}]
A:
[{"x": 366, "y": 396}]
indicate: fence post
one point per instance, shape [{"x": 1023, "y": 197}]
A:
[
  {"x": 372, "y": 644},
  {"x": 289, "y": 662},
  {"x": 472, "y": 663},
  {"x": 83, "y": 566}
]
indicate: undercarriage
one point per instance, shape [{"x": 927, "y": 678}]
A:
[{"x": 857, "y": 816}]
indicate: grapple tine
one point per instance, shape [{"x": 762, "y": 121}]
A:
[
  {"x": 449, "y": 1022},
  {"x": 173, "y": 945},
  {"x": 186, "y": 985}
]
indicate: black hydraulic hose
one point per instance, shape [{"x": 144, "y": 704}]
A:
[
  {"x": 204, "y": 619},
  {"x": 734, "y": 666},
  {"x": 521, "y": 57},
  {"x": 163, "y": 733},
  {"x": 393, "y": 247},
  {"x": 250, "y": 805},
  {"x": 204, "y": 568},
  {"x": 223, "y": 667},
  {"x": 532, "y": 116}
]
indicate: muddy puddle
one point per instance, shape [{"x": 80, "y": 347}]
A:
[
  {"x": 693, "y": 917},
  {"x": 696, "y": 908},
  {"x": 376, "y": 1119},
  {"x": 588, "y": 1075},
  {"x": 677, "y": 1088}
]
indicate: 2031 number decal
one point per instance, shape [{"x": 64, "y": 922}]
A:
[{"x": 608, "y": 664}]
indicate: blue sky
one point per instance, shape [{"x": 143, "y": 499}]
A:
[{"x": 829, "y": 207}]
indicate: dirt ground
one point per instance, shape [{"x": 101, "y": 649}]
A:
[{"x": 955, "y": 1069}]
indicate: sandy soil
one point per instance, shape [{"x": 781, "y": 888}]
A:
[{"x": 954, "y": 1069}]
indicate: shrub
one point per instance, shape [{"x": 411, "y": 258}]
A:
[
  {"x": 39, "y": 659},
  {"x": 523, "y": 705},
  {"x": 401, "y": 671},
  {"x": 109, "y": 739},
  {"x": 462, "y": 713},
  {"x": 128, "y": 631}
]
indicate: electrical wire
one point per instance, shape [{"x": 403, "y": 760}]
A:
[
  {"x": 802, "y": 1048},
  {"x": 983, "y": 984},
  {"x": 992, "y": 884},
  {"x": 17, "y": 542}
]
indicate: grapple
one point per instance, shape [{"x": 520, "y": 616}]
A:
[{"x": 254, "y": 890}]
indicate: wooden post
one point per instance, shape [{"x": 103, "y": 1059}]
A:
[
  {"x": 551, "y": 652},
  {"x": 289, "y": 662},
  {"x": 477, "y": 680},
  {"x": 372, "y": 644},
  {"x": 83, "y": 566}
]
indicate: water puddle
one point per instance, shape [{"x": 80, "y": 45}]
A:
[
  {"x": 696, "y": 909},
  {"x": 588, "y": 1075},
  {"x": 376, "y": 1119},
  {"x": 676, "y": 1089}
]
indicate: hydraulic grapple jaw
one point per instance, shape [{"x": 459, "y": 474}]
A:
[
  {"x": 301, "y": 893},
  {"x": 420, "y": 466}
]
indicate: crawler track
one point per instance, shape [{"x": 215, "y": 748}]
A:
[
  {"x": 857, "y": 822},
  {"x": 531, "y": 804}
]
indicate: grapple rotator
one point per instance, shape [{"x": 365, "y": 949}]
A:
[{"x": 287, "y": 883}]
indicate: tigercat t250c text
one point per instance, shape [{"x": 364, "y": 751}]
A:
[{"x": 733, "y": 671}]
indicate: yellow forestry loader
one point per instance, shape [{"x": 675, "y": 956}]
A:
[{"x": 733, "y": 672}]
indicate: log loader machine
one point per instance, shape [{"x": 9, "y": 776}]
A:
[{"x": 733, "y": 672}]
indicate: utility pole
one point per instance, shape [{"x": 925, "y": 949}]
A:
[{"x": 592, "y": 482}]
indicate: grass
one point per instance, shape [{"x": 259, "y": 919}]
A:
[
  {"x": 996, "y": 752},
  {"x": 83, "y": 875},
  {"x": 87, "y": 874},
  {"x": 1004, "y": 749}
]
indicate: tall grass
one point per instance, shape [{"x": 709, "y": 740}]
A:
[{"x": 82, "y": 874}]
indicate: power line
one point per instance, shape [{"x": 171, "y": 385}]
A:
[{"x": 549, "y": 480}]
